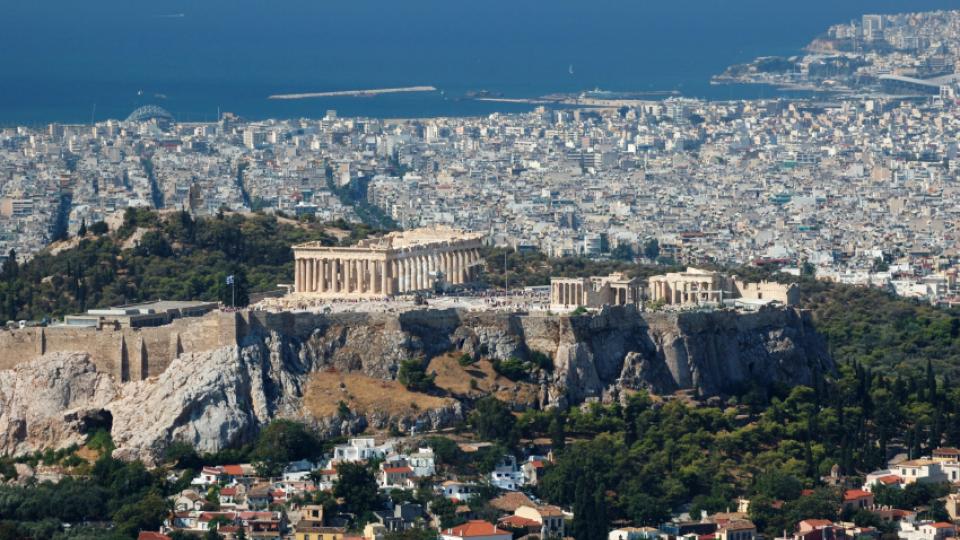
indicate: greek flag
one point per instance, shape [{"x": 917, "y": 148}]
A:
[{"x": 230, "y": 279}]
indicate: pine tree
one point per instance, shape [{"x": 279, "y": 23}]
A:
[
  {"x": 931, "y": 383},
  {"x": 558, "y": 434},
  {"x": 11, "y": 267}
]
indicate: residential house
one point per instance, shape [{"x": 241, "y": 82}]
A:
[
  {"x": 818, "y": 529},
  {"x": 311, "y": 530},
  {"x": 886, "y": 477},
  {"x": 506, "y": 475},
  {"x": 235, "y": 495},
  {"x": 208, "y": 476},
  {"x": 475, "y": 530},
  {"x": 422, "y": 462},
  {"x": 550, "y": 519},
  {"x": 946, "y": 454},
  {"x": 953, "y": 506},
  {"x": 396, "y": 477},
  {"x": 187, "y": 500},
  {"x": 510, "y": 501},
  {"x": 298, "y": 470},
  {"x": 182, "y": 520},
  {"x": 325, "y": 478},
  {"x": 739, "y": 529},
  {"x": 244, "y": 474},
  {"x": 520, "y": 527},
  {"x": 403, "y": 516},
  {"x": 920, "y": 470},
  {"x": 263, "y": 524},
  {"x": 458, "y": 491},
  {"x": 857, "y": 499},
  {"x": 361, "y": 449},
  {"x": 532, "y": 470},
  {"x": 634, "y": 533},
  {"x": 926, "y": 530},
  {"x": 260, "y": 496},
  {"x": 147, "y": 535},
  {"x": 206, "y": 520}
]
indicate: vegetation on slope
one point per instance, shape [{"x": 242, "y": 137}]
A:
[{"x": 151, "y": 256}]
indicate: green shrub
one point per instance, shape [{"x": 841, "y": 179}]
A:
[
  {"x": 511, "y": 368},
  {"x": 413, "y": 376}
]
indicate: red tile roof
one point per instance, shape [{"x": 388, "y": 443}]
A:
[
  {"x": 942, "y": 525},
  {"x": 233, "y": 470},
  {"x": 856, "y": 494},
  {"x": 518, "y": 522},
  {"x": 397, "y": 470},
  {"x": 474, "y": 528},
  {"x": 147, "y": 535}
]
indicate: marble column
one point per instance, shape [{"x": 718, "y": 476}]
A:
[
  {"x": 296, "y": 275},
  {"x": 457, "y": 266},
  {"x": 381, "y": 278},
  {"x": 334, "y": 278},
  {"x": 351, "y": 273},
  {"x": 312, "y": 275},
  {"x": 412, "y": 274},
  {"x": 318, "y": 276},
  {"x": 415, "y": 273}
]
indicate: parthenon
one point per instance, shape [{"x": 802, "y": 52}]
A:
[{"x": 396, "y": 263}]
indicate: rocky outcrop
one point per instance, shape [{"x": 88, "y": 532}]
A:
[
  {"x": 223, "y": 397},
  {"x": 52, "y": 401}
]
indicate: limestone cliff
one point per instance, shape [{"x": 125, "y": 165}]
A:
[
  {"x": 222, "y": 397},
  {"x": 706, "y": 352},
  {"x": 51, "y": 402}
]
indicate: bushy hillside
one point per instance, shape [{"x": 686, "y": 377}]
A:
[
  {"x": 150, "y": 256},
  {"x": 882, "y": 331}
]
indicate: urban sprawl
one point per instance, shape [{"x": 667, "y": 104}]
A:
[{"x": 859, "y": 187}]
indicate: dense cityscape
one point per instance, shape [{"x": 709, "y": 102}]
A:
[{"x": 864, "y": 190}]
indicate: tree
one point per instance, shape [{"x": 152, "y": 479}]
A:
[
  {"x": 147, "y": 514},
  {"x": 413, "y": 376},
  {"x": 283, "y": 441},
  {"x": 651, "y": 249},
  {"x": 623, "y": 252},
  {"x": 10, "y": 266},
  {"x": 446, "y": 511},
  {"x": 493, "y": 420},
  {"x": 182, "y": 455},
  {"x": 82, "y": 231},
  {"x": 558, "y": 435},
  {"x": 357, "y": 486},
  {"x": 99, "y": 228}
]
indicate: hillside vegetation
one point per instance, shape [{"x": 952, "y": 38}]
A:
[{"x": 171, "y": 256}]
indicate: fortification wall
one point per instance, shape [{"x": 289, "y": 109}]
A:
[{"x": 127, "y": 353}]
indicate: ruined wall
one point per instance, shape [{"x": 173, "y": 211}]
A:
[{"x": 127, "y": 353}]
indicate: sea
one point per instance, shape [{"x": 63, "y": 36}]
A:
[{"x": 76, "y": 62}]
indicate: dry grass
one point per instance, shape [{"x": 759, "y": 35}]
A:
[
  {"x": 456, "y": 380},
  {"x": 326, "y": 389}
]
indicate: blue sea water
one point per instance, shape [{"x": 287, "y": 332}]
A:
[{"x": 69, "y": 61}]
